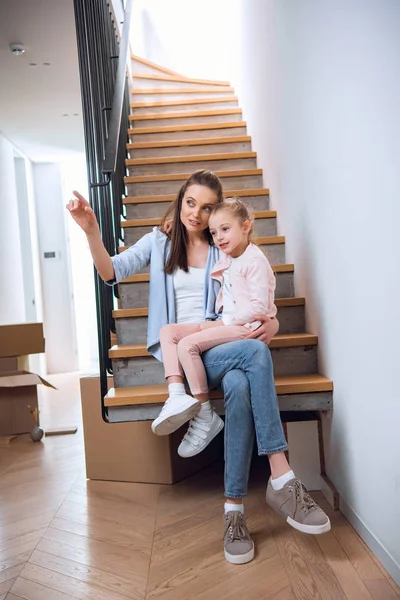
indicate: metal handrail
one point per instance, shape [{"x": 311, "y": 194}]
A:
[
  {"x": 110, "y": 159},
  {"x": 104, "y": 84}
]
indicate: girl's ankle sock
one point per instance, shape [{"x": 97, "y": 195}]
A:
[
  {"x": 206, "y": 411},
  {"x": 175, "y": 389}
]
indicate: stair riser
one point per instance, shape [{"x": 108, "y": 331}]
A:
[
  {"x": 133, "y": 330},
  {"x": 181, "y": 96},
  {"x": 186, "y": 167},
  {"x": 274, "y": 252},
  {"x": 136, "y": 295},
  {"x": 160, "y": 110},
  {"x": 198, "y": 134},
  {"x": 154, "y": 188},
  {"x": 262, "y": 227},
  {"x": 187, "y": 120},
  {"x": 148, "y": 371},
  {"x": 158, "y": 209},
  {"x": 144, "y": 84},
  {"x": 147, "y": 210},
  {"x": 190, "y": 150}
]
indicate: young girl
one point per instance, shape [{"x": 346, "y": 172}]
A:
[{"x": 247, "y": 290}]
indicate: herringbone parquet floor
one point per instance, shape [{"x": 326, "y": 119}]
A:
[{"x": 64, "y": 538}]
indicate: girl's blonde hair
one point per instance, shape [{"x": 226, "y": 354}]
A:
[{"x": 237, "y": 208}]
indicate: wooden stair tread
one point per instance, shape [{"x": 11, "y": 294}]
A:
[
  {"x": 180, "y": 78},
  {"x": 183, "y": 102},
  {"x": 272, "y": 239},
  {"x": 172, "y": 197},
  {"x": 186, "y": 114},
  {"x": 180, "y": 90},
  {"x": 285, "y": 340},
  {"x": 296, "y": 384},
  {"x": 198, "y": 142},
  {"x": 145, "y": 277},
  {"x": 184, "y": 176},
  {"x": 162, "y": 160},
  {"x": 154, "y": 221},
  {"x": 126, "y": 313},
  {"x": 187, "y": 127}
]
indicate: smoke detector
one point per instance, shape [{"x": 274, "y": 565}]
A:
[{"x": 17, "y": 49}]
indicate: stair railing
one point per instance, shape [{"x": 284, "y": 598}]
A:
[{"x": 105, "y": 107}]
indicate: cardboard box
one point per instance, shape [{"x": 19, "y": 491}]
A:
[
  {"x": 130, "y": 451},
  {"x": 16, "y": 363},
  {"x": 18, "y": 390},
  {"x": 21, "y": 339}
]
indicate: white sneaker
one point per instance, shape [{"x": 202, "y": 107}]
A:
[
  {"x": 199, "y": 435},
  {"x": 176, "y": 411}
]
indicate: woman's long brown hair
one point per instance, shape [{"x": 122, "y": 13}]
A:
[{"x": 178, "y": 255}]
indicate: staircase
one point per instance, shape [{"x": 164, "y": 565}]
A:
[{"x": 179, "y": 125}]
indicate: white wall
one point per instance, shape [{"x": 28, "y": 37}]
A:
[
  {"x": 194, "y": 39},
  {"x": 61, "y": 352},
  {"x": 74, "y": 176},
  {"x": 25, "y": 238},
  {"x": 320, "y": 88},
  {"x": 12, "y": 302}
]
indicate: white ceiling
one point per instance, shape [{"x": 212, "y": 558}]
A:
[{"x": 34, "y": 99}]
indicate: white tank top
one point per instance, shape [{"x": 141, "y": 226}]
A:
[
  {"x": 188, "y": 287},
  {"x": 228, "y": 308}
]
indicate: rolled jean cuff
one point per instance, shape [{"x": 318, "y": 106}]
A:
[
  {"x": 283, "y": 448},
  {"x": 235, "y": 496}
]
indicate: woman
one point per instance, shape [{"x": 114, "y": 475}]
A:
[{"x": 242, "y": 368}]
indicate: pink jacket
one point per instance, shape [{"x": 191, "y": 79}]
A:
[{"x": 253, "y": 285}]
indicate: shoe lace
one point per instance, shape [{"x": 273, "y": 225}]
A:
[
  {"x": 236, "y": 527},
  {"x": 302, "y": 495},
  {"x": 197, "y": 431}
]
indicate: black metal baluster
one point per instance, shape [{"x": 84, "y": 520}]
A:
[{"x": 105, "y": 104}]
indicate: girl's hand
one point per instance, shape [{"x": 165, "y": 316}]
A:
[
  {"x": 268, "y": 328},
  {"x": 82, "y": 213}
]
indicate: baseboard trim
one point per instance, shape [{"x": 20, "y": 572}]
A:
[
  {"x": 372, "y": 542},
  {"x": 329, "y": 491}
]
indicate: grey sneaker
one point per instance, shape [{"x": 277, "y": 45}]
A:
[
  {"x": 238, "y": 545},
  {"x": 295, "y": 503}
]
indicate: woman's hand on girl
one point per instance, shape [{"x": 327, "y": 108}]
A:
[
  {"x": 82, "y": 213},
  {"x": 268, "y": 328},
  {"x": 167, "y": 227}
]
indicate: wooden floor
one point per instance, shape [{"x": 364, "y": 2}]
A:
[{"x": 62, "y": 537}]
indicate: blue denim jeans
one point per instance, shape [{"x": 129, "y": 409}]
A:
[{"x": 244, "y": 371}]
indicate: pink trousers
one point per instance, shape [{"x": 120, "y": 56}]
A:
[{"x": 183, "y": 344}]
